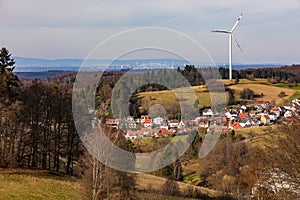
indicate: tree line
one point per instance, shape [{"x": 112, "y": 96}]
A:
[
  {"x": 197, "y": 76},
  {"x": 37, "y": 128},
  {"x": 280, "y": 74}
]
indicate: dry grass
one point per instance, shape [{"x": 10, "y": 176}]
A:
[
  {"x": 145, "y": 180},
  {"x": 259, "y": 86},
  {"x": 167, "y": 97},
  {"x": 26, "y": 184},
  {"x": 246, "y": 81},
  {"x": 269, "y": 92},
  {"x": 36, "y": 184},
  {"x": 258, "y": 130},
  {"x": 157, "y": 196}
]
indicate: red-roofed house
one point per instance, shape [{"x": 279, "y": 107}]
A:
[
  {"x": 243, "y": 115},
  {"x": 262, "y": 103},
  {"x": 234, "y": 125},
  {"x": 148, "y": 123},
  {"x": 162, "y": 133},
  {"x": 144, "y": 117}
]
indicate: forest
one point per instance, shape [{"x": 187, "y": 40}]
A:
[{"x": 286, "y": 74}]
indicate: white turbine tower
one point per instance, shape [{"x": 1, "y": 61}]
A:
[{"x": 230, "y": 43}]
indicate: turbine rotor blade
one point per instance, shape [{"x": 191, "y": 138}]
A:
[
  {"x": 220, "y": 31},
  {"x": 237, "y": 43},
  {"x": 236, "y": 23}
]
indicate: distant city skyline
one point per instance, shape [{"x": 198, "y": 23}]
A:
[{"x": 268, "y": 32}]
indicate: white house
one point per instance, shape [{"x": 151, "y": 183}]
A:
[
  {"x": 144, "y": 132},
  {"x": 131, "y": 135},
  {"x": 231, "y": 114},
  {"x": 288, "y": 113},
  {"x": 296, "y": 101},
  {"x": 173, "y": 123},
  {"x": 255, "y": 122},
  {"x": 244, "y": 107},
  {"x": 158, "y": 120},
  {"x": 164, "y": 127},
  {"x": 203, "y": 123},
  {"x": 197, "y": 119},
  {"x": 288, "y": 107},
  {"x": 181, "y": 125},
  {"x": 273, "y": 116},
  {"x": 208, "y": 112},
  {"x": 277, "y": 111},
  {"x": 247, "y": 123},
  {"x": 130, "y": 123}
]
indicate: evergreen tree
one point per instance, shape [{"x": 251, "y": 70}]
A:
[
  {"x": 8, "y": 81},
  {"x": 6, "y": 62}
]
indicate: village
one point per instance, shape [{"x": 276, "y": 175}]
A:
[{"x": 259, "y": 113}]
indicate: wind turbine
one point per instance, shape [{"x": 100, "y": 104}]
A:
[{"x": 230, "y": 42}]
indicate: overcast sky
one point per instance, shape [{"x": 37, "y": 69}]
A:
[{"x": 269, "y": 31}]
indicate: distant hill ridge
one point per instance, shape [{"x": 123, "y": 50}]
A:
[
  {"x": 282, "y": 72},
  {"x": 36, "y": 64}
]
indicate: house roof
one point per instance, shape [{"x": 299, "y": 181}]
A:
[
  {"x": 235, "y": 125},
  {"x": 162, "y": 132},
  {"x": 148, "y": 121},
  {"x": 243, "y": 115},
  {"x": 260, "y": 102}
]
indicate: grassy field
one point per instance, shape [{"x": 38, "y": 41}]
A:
[
  {"x": 285, "y": 85},
  {"x": 259, "y": 86},
  {"x": 246, "y": 81},
  {"x": 157, "y": 196},
  {"x": 296, "y": 95},
  {"x": 261, "y": 81},
  {"x": 269, "y": 92},
  {"x": 167, "y": 97},
  {"x": 145, "y": 180},
  {"x": 27, "y": 184},
  {"x": 258, "y": 130}
]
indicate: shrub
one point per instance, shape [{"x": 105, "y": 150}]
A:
[
  {"x": 247, "y": 94},
  {"x": 282, "y": 94}
]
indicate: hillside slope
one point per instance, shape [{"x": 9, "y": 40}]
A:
[{"x": 37, "y": 184}]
